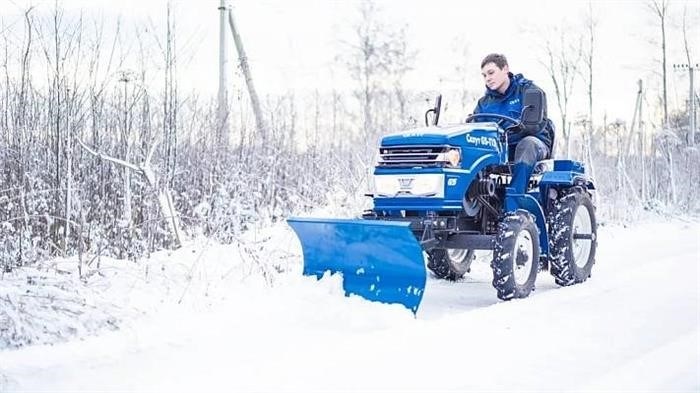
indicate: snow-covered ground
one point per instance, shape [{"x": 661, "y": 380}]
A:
[{"x": 241, "y": 318}]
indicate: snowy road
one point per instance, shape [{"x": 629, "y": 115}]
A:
[{"x": 634, "y": 326}]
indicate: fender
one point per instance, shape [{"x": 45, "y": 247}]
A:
[
  {"x": 527, "y": 202},
  {"x": 565, "y": 178}
]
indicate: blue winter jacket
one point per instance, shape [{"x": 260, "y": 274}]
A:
[{"x": 510, "y": 104}]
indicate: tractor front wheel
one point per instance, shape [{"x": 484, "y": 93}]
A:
[
  {"x": 516, "y": 256},
  {"x": 451, "y": 263}
]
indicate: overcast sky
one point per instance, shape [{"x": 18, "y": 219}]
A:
[{"x": 292, "y": 43}]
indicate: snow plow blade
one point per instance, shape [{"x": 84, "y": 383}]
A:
[{"x": 379, "y": 260}]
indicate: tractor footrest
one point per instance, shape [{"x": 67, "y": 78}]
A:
[{"x": 471, "y": 241}]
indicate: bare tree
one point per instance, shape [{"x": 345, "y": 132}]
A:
[
  {"x": 170, "y": 103},
  {"x": 463, "y": 71},
  {"x": 562, "y": 62},
  {"x": 61, "y": 43},
  {"x": 20, "y": 131},
  {"x": 660, "y": 9},
  {"x": 364, "y": 61},
  {"x": 590, "y": 24},
  {"x": 377, "y": 55},
  {"x": 399, "y": 61},
  {"x": 164, "y": 197}
]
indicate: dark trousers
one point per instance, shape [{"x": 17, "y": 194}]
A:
[{"x": 527, "y": 152}]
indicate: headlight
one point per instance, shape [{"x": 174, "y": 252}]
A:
[{"x": 451, "y": 157}]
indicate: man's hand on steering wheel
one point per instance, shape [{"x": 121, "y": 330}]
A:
[{"x": 506, "y": 122}]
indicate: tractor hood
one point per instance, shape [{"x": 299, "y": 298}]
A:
[{"x": 433, "y": 135}]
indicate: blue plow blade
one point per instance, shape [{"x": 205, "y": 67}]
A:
[{"x": 379, "y": 260}]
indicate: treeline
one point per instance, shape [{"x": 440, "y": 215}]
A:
[
  {"x": 100, "y": 148},
  {"x": 80, "y": 134}
]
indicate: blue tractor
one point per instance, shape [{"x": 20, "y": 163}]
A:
[{"x": 441, "y": 192}]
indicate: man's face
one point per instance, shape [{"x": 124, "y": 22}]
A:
[{"x": 495, "y": 78}]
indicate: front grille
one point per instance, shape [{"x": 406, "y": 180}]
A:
[{"x": 412, "y": 156}]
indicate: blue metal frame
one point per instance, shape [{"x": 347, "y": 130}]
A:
[{"x": 482, "y": 145}]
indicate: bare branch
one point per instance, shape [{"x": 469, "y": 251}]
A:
[{"x": 110, "y": 158}]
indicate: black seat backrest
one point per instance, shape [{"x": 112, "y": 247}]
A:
[
  {"x": 534, "y": 116},
  {"x": 552, "y": 134}
]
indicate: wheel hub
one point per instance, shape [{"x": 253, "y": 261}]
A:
[
  {"x": 521, "y": 257},
  {"x": 456, "y": 255},
  {"x": 522, "y": 260},
  {"x": 582, "y": 236}
]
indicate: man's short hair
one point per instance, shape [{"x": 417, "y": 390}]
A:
[{"x": 498, "y": 59}]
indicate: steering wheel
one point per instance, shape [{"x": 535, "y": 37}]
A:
[{"x": 503, "y": 121}]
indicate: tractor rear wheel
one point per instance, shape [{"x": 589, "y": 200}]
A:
[
  {"x": 451, "y": 263},
  {"x": 516, "y": 256},
  {"x": 572, "y": 237}
]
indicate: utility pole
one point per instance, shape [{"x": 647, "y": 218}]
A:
[
  {"x": 642, "y": 149},
  {"x": 226, "y": 16},
  {"x": 223, "y": 104},
  {"x": 635, "y": 116},
  {"x": 247, "y": 75},
  {"x": 692, "y": 107}
]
